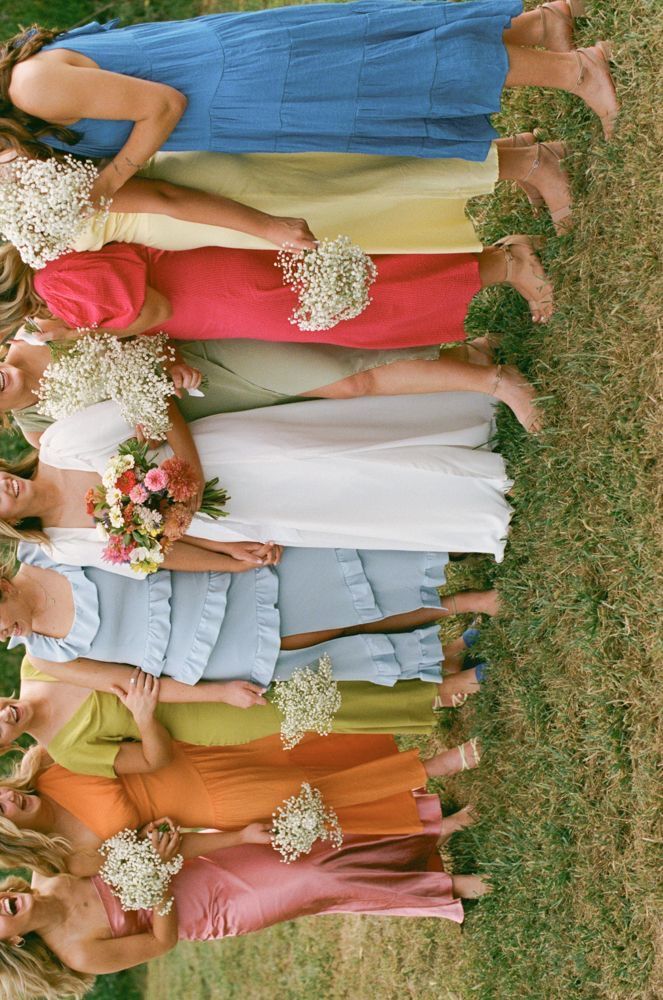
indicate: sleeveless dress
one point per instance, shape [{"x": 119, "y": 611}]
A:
[
  {"x": 228, "y": 626},
  {"x": 405, "y": 79},
  {"x": 385, "y": 204},
  {"x": 219, "y": 292},
  {"x": 244, "y": 889},
  {"x": 365, "y": 779},
  {"x": 409, "y": 473},
  {"x": 89, "y": 742}
]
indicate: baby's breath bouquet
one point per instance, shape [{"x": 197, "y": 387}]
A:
[
  {"x": 308, "y": 702},
  {"x": 300, "y": 821},
  {"x": 135, "y": 872},
  {"x": 44, "y": 204},
  {"x": 100, "y": 366},
  {"x": 332, "y": 282}
]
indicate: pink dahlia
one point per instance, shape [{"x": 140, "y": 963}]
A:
[
  {"x": 156, "y": 480},
  {"x": 138, "y": 494},
  {"x": 116, "y": 551}
]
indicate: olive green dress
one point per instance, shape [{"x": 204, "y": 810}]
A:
[
  {"x": 248, "y": 374},
  {"x": 89, "y": 742}
]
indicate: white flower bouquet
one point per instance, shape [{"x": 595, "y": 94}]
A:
[
  {"x": 332, "y": 282},
  {"x": 308, "y": 702},
  {"x": 300, "y": 821},
  {"x": 100, "y": 366},
  {"x": 135, "y": 872},
  {"x": 44, "y": 204}
]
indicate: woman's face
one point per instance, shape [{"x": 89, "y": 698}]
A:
[
  {"x": 19, "y": 807},
  {"x": 16, "y": 914},
  {"x": 12, "y": 387},
  {"x": 15, "y": 496},
  {"x": 15, "y": 717}
]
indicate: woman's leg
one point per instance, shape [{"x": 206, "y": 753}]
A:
[
  {"x": 469, "y": 886},
  {"x": 536, "y": 166},
  {"x": 461, "y": 758},
  {"x": 583, "y": 72},
  {"x": 457, "y": 821},
  {"x": 515, "y": 263},
  {"x": 550, "y": 25},
  {"x": 455, "y": 689},
  {"x": 446, "y": 374}
]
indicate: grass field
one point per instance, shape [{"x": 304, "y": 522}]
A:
[{"x": 571, "y": 716}]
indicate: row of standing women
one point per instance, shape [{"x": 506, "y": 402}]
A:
[{"x": 356, "y": 459}]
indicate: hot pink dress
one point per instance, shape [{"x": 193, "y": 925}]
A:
[
  {"x": 217, "y": 293},
  {"x": 243, "y": 889}
]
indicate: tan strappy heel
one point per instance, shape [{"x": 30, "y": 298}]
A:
[
  {"x": 576, "y": 8},
  {"x": 605, "y": 50},
  {"x": 561, "y": 216},
  {"x": 532, "y": 243}
]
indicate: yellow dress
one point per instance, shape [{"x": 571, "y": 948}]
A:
[{"x": 386, "y": 204}]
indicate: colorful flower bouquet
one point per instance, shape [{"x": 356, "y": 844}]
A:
[
  {"x": 300, "y": 821},
  {"x": 97, "y": 367},
  {"x": 44, "y": 204},
  {"x": 308, "y": 702},
  {"x": 135, "y": 872},
  {"x": 142, "y": 508},
  {"x": 332, "y": 282}
]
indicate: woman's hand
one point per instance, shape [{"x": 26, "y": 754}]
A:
[
  {"x": 242, "y": 694},
  {"x": 166, "y": 842},
  {"x": 256, "y": 833},
  {"x": 255, "y": 553},
  {"x": 141, "y": 697},
  {"x": 103, "y": 189},
  {"x": 293, "y": 232},
  {"x": 184, "y": 377}
]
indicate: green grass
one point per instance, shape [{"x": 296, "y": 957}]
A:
[{"x": 568, "y": 789}]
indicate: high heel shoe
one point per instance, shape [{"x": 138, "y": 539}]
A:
[
  {"x": 561, "y": 216},
  {"x": 605, "y": 51},
  {"x": 576, "y": 8},
  {"x": 537, "y": 306}
]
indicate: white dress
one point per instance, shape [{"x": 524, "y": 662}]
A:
[{"x": 411, "y": 473}]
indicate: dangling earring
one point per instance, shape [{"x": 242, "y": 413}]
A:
[{"x": 18, "y": 942}]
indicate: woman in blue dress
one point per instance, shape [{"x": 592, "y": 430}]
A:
[{"x": 401, "y": 78}]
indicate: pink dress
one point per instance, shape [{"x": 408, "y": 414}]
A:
[
  {"x": 243, "y": 889},
  {"x": 217, "y": 293}
]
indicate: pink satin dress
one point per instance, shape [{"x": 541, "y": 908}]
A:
[{"x": 244, "y": 889}]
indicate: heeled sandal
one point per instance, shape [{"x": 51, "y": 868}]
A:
[
  {"x": 559, "y": 217},
  {"x": 476, "y": 752},
  {"x": 576, "y": 8},
  {"x": 533, "y": 243},
  {"x": 605, "y": 49}
]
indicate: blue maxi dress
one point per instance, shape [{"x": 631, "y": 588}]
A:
[
  {"x": 228, "y": 626},
  {"x": 375, "y": 76}
]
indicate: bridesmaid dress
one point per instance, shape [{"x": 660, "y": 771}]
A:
[
  {"x": 217, "y": 293},
  {"x": 385, "y": 204},
  {"x": 404, "y": 79}
]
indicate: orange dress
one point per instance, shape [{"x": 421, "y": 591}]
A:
[{"x": 364, "y": 778}]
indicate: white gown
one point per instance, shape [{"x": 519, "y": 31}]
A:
[{"x": 411, "y": 473}]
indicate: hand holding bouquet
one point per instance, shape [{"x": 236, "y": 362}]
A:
[{"x": 142, "y": 508}]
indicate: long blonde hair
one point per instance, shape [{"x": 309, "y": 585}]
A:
[
  {"x": 18, "y": 298},
  {"x": 19, "y": 130},
  {"x": 24, "y": 468},
  {"x": 20, "y": 848},
  {"x": 32, "y": 971}
]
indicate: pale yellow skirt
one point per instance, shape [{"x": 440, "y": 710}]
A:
[{"x": 386, "y": 204}]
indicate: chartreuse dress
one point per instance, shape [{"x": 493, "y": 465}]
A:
[
  {"x": 403, "y": 79},
  {"x": 246, "y": 888},
  {"x": 386, "y": 204}
]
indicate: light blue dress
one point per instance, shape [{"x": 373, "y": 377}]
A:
[
  {"x": 228, "y": 626},
  {"x": 376, "y": 76}
]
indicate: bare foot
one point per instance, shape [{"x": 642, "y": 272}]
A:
[
  {"x": 490, "y": 602},
  {"x": 461, "y": 758},
  {"x": 525, "y": 272},
  {"x": 595, "y": 84},
  {"x": 550, "y": 180},
  {"x": 517, "y": 393},
  {"x": 456, "y": 822},
  {"x": 470, "y": 886}
]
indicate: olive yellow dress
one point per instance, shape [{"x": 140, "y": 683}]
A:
[
  {"x": 90, "y": 741},
  {"x": 386, "y": 204}
]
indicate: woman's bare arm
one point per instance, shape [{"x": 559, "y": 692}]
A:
[
  {"x": 57, "y": 91},
  {"x": 141, "y": 195}
]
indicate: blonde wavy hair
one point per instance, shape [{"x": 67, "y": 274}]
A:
[
  {"x": 18, "y": 298},
  {"x": 24, "y": 468},
  {"x": 32, "y": 971},
  {"x": 20, "y": 848}
]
